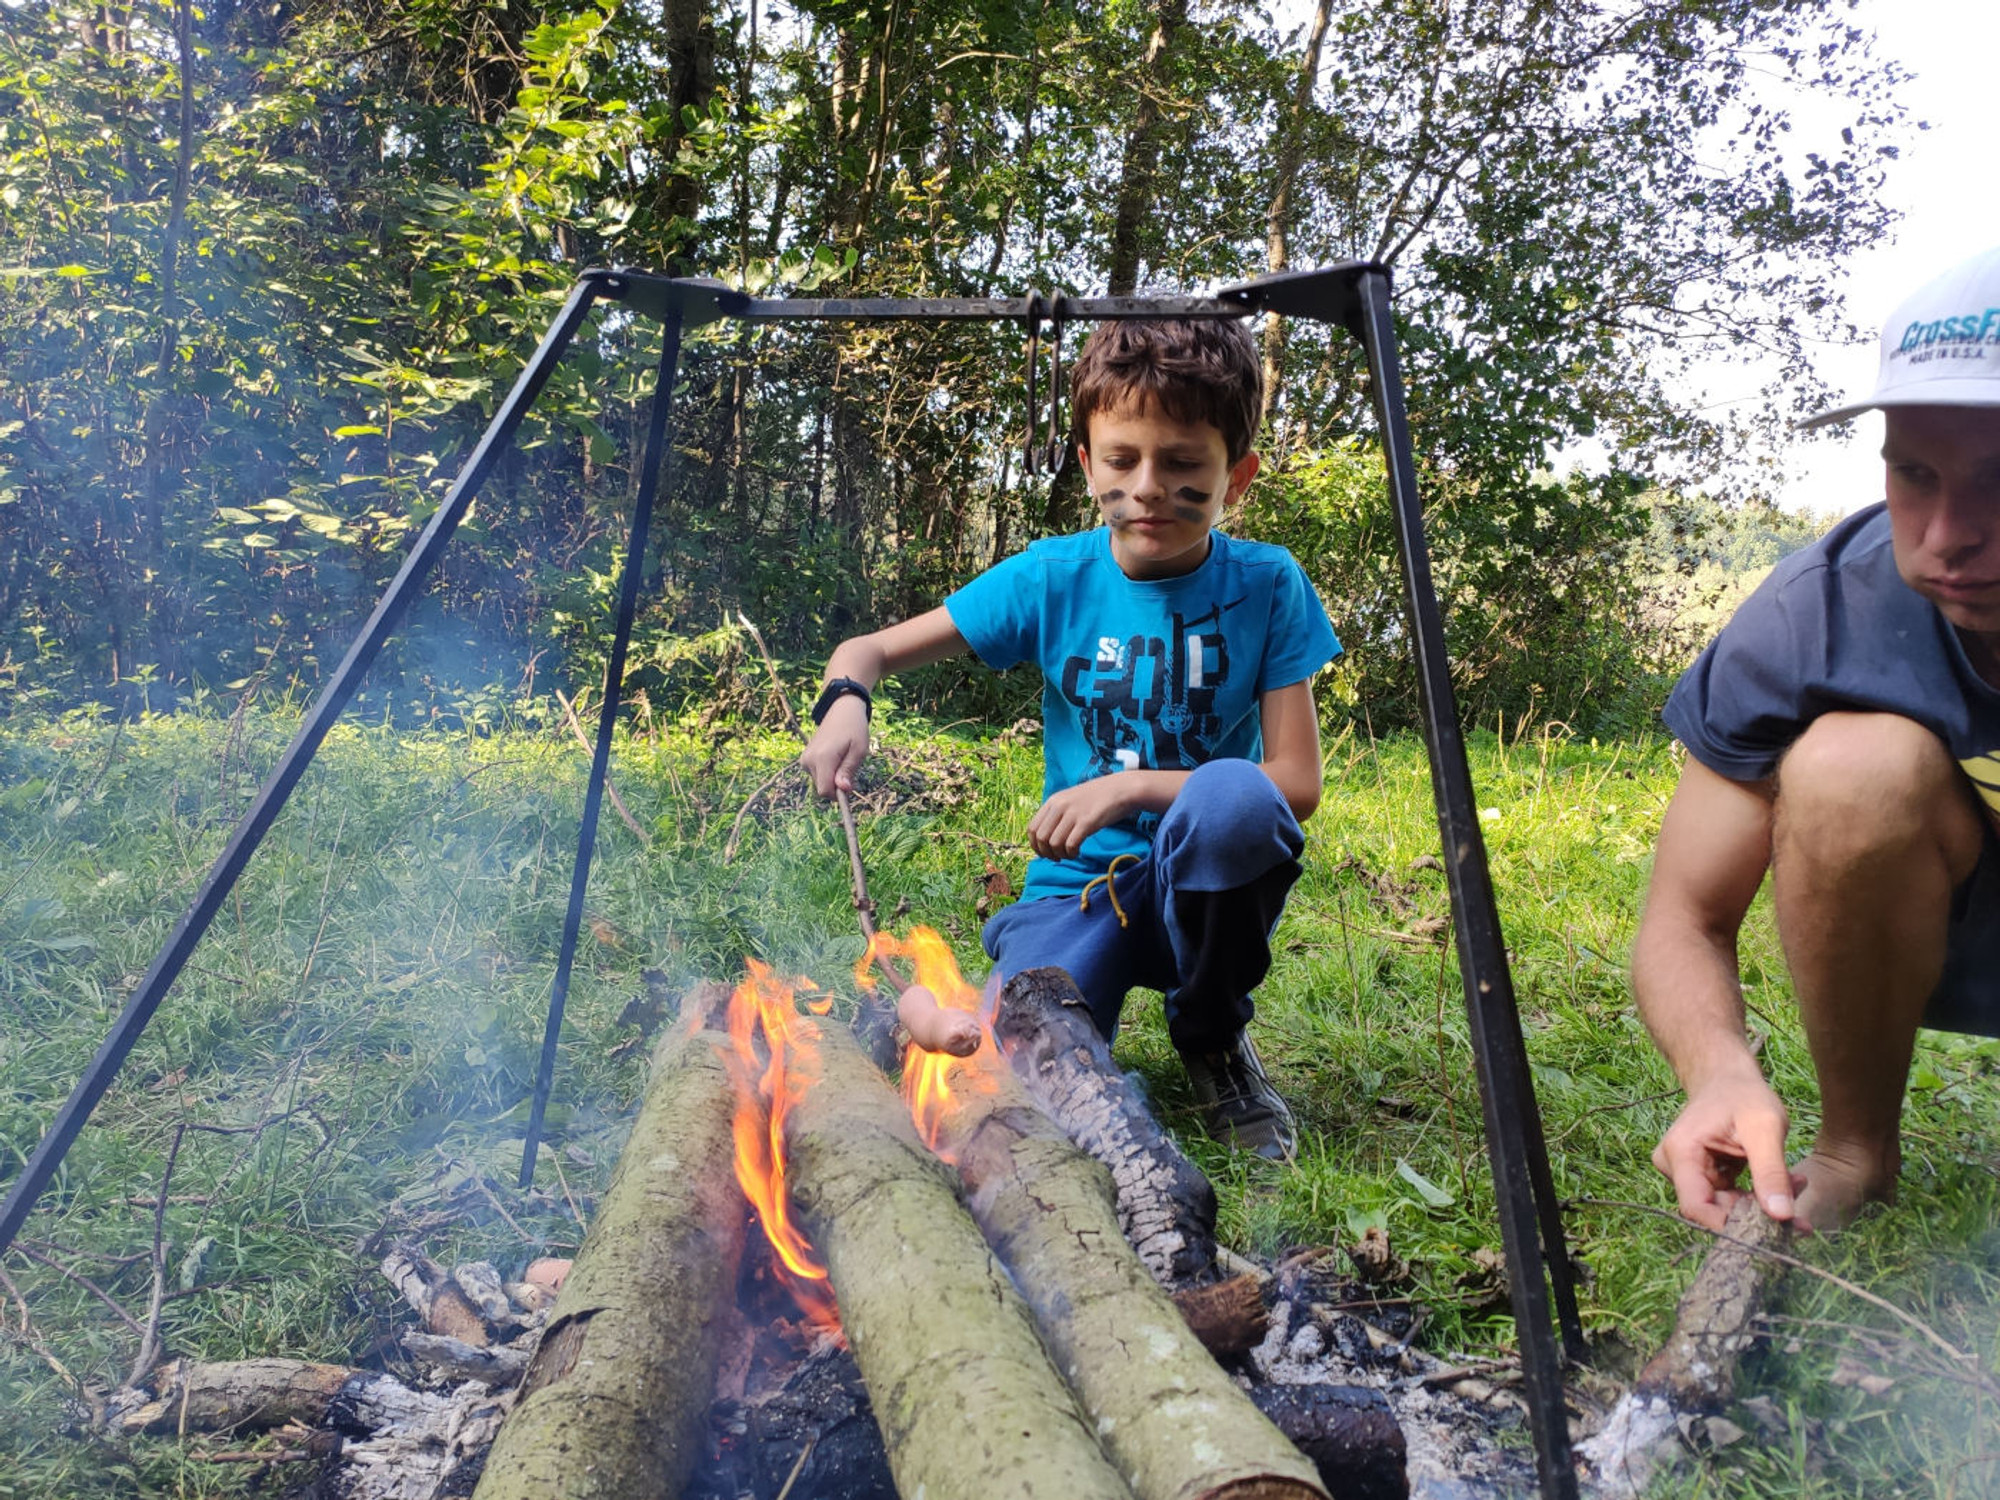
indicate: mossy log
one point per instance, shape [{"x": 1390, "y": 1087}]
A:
[
  {"x": 1176, "y": 1426},
  {"x": 615, "y": 1401},
  {"x": 965, "y": 1395},
  {"x": 1166, "y": 1207}
]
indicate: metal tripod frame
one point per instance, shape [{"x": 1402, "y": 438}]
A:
[{"x": 1354, "y": 296}]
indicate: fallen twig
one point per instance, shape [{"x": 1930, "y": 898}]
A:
[
  {"x": 617, "y": 802},
  {"x": 777, "y": 688},
  {"x": 736, "y": 828},
  {"x": 86, "y": 1283},
  {"x": 1910, "y": 1320},
  {"x": 149, "y": 1341}
]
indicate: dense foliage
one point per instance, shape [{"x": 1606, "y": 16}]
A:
[{"x": 265, "y": 271}]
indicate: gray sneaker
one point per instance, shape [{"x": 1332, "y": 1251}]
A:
[{"x": 1239, "y": 1103}]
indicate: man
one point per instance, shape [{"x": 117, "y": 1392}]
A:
[{"x": 1844, "y": 731}]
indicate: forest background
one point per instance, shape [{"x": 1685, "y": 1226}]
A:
[{"x": 269, "y": 267}]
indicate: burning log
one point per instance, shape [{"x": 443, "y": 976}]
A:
[
  {"x": 1166, "y": 1207},
  {"x": 615, "y": 1401},
  {"x": 1176, "y": 1426},
  {"x": 965, "y": 1396}
]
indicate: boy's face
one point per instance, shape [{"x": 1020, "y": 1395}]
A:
[
  {"x": 1161, "y": 485},
  {"x": 1944, "y": 510}
]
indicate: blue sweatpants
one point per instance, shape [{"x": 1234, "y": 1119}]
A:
[{"x": 1199, "y": 909}]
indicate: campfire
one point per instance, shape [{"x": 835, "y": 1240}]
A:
[{"x": 1003, "y": 1280}]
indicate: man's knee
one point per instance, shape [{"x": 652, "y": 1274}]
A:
[{"x": 1862, "y": 786}]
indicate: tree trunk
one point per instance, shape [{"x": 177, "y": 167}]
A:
[
  {"x": 1136, "y": 183},
  {"x": 1176, "y": 1426},
  {"x": 1284, "y": 175},
  {"x": 1166, "y": 1207},
  {"x": 615, "y": 1401},
  {"x": 966, "y": 1398}
]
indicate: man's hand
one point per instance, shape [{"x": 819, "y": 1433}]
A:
[
  {"x": 1727, "y": 1125},
  {"x": 1061, "y": 824},
  {"x": 833, "y": 756}
]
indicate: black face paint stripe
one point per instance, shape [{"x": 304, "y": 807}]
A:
[
  {"x": 1194, "y": 496},
  {"x": 1114, "y": 495}
]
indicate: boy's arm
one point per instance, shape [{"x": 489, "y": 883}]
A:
[
  {"x": 840, "y": 743},
  {"x": 1291, "y": 760},
  {"x": 1715, "y": 842},
  {"x": 1291, "y": 746}
]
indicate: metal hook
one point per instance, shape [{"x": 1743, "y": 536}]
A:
[
  {"x": 1057, "y": 448},
  {"x": 1032, "y": 314}
]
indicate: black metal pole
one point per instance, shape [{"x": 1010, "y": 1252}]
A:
[
  {"x": 270, "y": 799},
  {"x": 607, "y": 720},
  {"x": 1530, "y": 1223}
]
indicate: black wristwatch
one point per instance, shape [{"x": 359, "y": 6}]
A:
[{"x": 834, "y": 691}]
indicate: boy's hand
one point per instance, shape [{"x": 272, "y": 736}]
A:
[
  {"x": 834, "y": 754},
  {"x": 1061, "y": 824}
]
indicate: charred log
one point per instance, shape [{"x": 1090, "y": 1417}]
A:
[
  {"x": 1176, "y": 1426},
  {"x": 965, "y": 1396},
  {"x": 1348, "y": 1432},
  {"x": 615, "y": 1401},
  {"x": 1166, "y": 1207}
]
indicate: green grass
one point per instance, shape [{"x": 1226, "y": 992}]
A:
[{"x": 367, "y": 1010}]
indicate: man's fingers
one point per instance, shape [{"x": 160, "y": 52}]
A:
[
  {"x": 1770, "y": 1175},
  {"x": 1696, "y": 1194}
]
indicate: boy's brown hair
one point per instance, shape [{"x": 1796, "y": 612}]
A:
[{"x": 1192, "y": 370}]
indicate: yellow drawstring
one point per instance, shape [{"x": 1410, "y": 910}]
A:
[{"x": 1083, "y": 900}]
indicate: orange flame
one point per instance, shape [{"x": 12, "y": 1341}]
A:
[
  {"x": 765, "y": 1094},
  {"x": 927, "y": 1086}
]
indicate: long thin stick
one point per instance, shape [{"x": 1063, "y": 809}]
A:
[{"x": 864, "y": 906}]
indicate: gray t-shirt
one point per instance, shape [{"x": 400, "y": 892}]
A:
[{"x": 1835, "y": 627}]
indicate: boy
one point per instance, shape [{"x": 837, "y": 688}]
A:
[
  {"x": 1180, "y": 739},
  {"x": 1844, "y": 732}
]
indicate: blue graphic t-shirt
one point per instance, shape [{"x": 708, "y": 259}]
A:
[
  {"x": 1835, "y": 627},
  {"x": 1153, "y": 674}
]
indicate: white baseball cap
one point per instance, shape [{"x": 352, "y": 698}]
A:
[{"x": 1941, "y": 347}]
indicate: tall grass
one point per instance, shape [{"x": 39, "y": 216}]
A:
[{"x": 352, "y": 1046}]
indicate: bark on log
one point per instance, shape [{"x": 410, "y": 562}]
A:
[
  {"x": 1715, "y": 1322},
  {"x": 615, "y": 1401},
  {"x": 1166, "y": 1207},
  {"x": 1176, "y": 1426},
  {"x": 966, "y": 1398}
]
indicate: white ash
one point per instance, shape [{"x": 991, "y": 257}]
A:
[
  {"x": 1451, "y": 1450},
  {"x": 1637, "y": 1439}
]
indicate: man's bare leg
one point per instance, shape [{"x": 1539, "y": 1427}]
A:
[{"x": 1875, "y": 828}]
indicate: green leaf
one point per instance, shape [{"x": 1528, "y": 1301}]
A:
[
  {"x": 363, "y": 430},
  {"x": 1427, "y": 1190}
]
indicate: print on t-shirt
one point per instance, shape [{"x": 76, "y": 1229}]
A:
[
  {"x": 1150, "y": 703},
  {"x": 1985, "y": 773}
]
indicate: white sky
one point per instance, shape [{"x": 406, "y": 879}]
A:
[{"x": 1947, "y": 186}]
